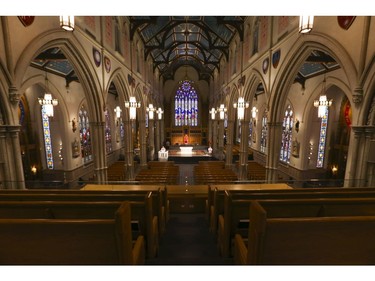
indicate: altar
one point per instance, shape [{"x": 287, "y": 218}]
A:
[{"x": 186, "y": 150}]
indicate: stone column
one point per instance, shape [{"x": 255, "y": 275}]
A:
[
  {"x": 151, "y": 139},
  {"x": 129, "y": 150},
  {"x": 273, "y": 150},
  {"x": 220, "y": 149},
  {"x": 229, "y": 146},
  {"x": 143, "y": 142},
  {"x": 99, "y": 151},
  {"x": 16, "y": 157},
  {"x": 158, "y": 141},
  {"x": 214, "y": 136},
  {"x": 244, "y": 150}
]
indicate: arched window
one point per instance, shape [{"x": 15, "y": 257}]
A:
[
  {"x": 85, "y": 135},
  {"x": 250, "y": 140},
  {"x": 263, "y": 137},
  {"x": 47, "y": 138},
  {"x": 322, "y": 139},
  {"x": 186, "y": 105},
  {"x": 286, "y": 140},
  {"x": 108, "y": 137}
]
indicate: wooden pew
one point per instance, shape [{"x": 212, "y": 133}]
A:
[
  {"x": 216, "y": 197},
  {"x": 71, "y": 241},
  {"x": 143, "y": 211},
  {"x": 236, "y": 207},
  {"x": 331, "y": 240}
]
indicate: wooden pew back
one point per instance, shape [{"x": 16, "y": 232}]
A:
[{"x": 69, "y": 241}]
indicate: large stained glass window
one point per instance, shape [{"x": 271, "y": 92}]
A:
[
  {"x": 250, "y": 140},
  {"x": 47, "y": 138},
  {"x": 322, "y": 139},
  {"x": 85, "y": 135},
  {"x": 286, "y": 139},
  {"x": 263, "y": 137},
  {"x": 108, "y": 137},
  {"x": 186, "y": 105}
]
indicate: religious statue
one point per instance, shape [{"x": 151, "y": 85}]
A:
[{"x": 186, "y": 139}]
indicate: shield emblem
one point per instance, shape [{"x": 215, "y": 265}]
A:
[
  {"x": 345, "y": 21},
  {"x": 26, "y": 20},
  {"x": 107, "y": 64},
  {"x": 265, "y": 65},
  {"x": 97, "y": 56}
]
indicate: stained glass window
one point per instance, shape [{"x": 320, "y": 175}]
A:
[
  {"x": 85, "y": 135},
  {"x": 263, "y": 137},
  {"x": 186, "y": 105},
  {"x": 250, "y": 140},
  {"x": 322, "y": 139},
  {"x": 108, "y": 137},
  {"x": 47, "y": 138},
  {"x": 286, "y": 139},
  {"x": 122, "y": 132}
]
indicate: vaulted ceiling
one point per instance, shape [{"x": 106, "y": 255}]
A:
[
  {"x": 197, "y": 41},
  {"x": 175, "y": 41}
]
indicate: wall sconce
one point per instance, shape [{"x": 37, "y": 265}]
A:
[
  {"x": 132, "y": 104},
  {"x": 306, "y": 24},
  {"x": 33, "y": 170},
  {"x": 310, "y": 151},
  {"x": 254, "y": 111},
  {"x": 160, "y": 113},
  {"x": 67, "y": 22},
  {"x": 150, "y": 109},
  {"x": 222, "y": 109},
  {"x": 213, "y": 113},
  {"x": 60, "y": 152},
  {"x": 241, "y": 105},
  {"x": 334, "y": 170}
]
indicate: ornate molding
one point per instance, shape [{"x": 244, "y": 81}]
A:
[
  {"x": 357, "y": 95},
  {"x": 14, "y": 96}
]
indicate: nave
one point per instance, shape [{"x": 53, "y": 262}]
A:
[{"x": 187, "y": 241}]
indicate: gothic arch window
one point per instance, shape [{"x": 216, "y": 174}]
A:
[
  {"x": 322, "y": 138},
  {"x": 85, "y": 135},
  {"x": 250, "y": 140},
  {"x": 47, "y": 138},
  {"x": 186, "y": 104},
  {"x": 263, "y": 137},
  {"x": 286, "y": 139},
  {"x": 108, "y": 137}
]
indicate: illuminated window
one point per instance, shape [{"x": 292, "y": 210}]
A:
[
  {"x": 250, "y": 140},
  {"x": 47, "y": 138},
  {"x": 322, "y": 139},
  {"x": 108, "y": 137},
  {"x": 286, "y": 139},
  {"x": 186, "y": 105},
  {"x": 263, "y": 137},
  {"x": 85, "y": 135}
]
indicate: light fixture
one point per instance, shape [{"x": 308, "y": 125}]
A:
[
  {"x": 254, "y": 111},
  {"x": 160, "y": 113},
  {"x": 67, "y": 22},
  {"x": 322, "y": 103},
  {"x": 150, "y": 109},
  {"x": 213, "y": 113},
  {"x": 47, "y": 102},
  {"x": 241, "y": 105},
  {"x": 305, "y": 24},
  {"x": 132, "y": 104},
  {"x": 118, "y": 112},
  {"x": 222, "y": 109},
  {"x": 33, "y": 170}
]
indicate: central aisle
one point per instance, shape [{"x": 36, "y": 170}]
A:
[{"x": 187, "y": 241}]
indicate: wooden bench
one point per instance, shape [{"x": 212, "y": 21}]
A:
[
  {"x": 143, "y": 211},
  {"x": 71, "y": 241},
  {"x": 216, "y": 197},
  {"x": 331, "y": 240},
  {"x": 236, "y": 207},
  {"x": 185, "y": 199}
]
